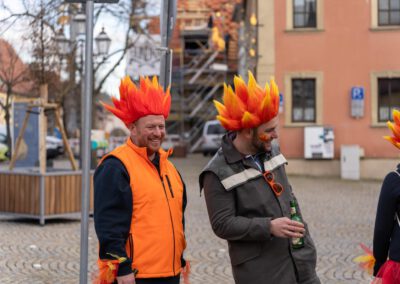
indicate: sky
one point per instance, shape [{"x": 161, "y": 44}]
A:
[{"x": 112, "y": 28}]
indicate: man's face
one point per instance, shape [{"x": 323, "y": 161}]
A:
[
  {"x": 149, "y": 132},
  {"x": 264, "y": 134}
]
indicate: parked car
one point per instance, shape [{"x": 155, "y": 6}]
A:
[
  {"x": 211, "y": 137},
  {"x": 4, "y": 151},
  {"x": 54, "y": 147},
  {"x": 171, "y": 141}
]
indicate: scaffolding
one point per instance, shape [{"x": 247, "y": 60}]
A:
[{"x": 199, "y": 72}]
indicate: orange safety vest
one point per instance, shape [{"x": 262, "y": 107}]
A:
[{"x": 156, "y": 236}]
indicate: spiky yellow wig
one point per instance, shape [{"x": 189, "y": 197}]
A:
[
  {"x": 134, "y": 102},
  {"x": 395, "y": 127},
  {"x": 249, "y": 106}
]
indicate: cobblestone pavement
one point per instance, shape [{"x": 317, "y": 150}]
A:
[{"x": 340, "y": 214}]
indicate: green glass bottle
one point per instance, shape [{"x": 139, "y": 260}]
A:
[{"x": 296, "y": 242}]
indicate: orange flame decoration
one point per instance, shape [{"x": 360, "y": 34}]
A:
[
  {"x": 134, "y": 102},
  {"x": 249, "y": 106},
  {"x": 108, "y": 269},
  {"x": 395, "y": 127},
  {"x": 185, "y": 272},
  {"x": 264, "y": 137},
  {"x": 217, "y": 40},
  {"x": 366, "y": 261}
]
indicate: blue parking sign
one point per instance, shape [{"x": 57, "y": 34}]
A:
[
  {"x": 357, "y": 102},
  {"x": 357, "y": 93},
  {"x": 280, "y": 103}
]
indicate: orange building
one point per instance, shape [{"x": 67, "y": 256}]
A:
[{"x": 324, "y": 55}]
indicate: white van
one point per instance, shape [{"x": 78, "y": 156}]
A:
[{"x": 211, "y": 137}]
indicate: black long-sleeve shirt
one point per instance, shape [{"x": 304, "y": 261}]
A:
[
  {"x": 113, "y": 210},
  {"x": 387, "y": 229}
]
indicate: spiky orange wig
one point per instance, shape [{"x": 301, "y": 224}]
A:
[
  {"x": 134, "y": 102},
  {"x": 395, "y": 127},
  {"x": 249, "y": 106}
]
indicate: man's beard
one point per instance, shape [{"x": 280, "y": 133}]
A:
[{"x": 258, "y": 145}]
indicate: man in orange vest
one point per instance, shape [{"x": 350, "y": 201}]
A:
[{"x": 139, "y": 196}]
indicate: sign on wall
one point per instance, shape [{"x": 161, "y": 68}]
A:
[
  {"x": 357, "y": 102},
  {"x": 318, "y": 142},
  {"x": 280, "y": 102},
  {"x": 144, "y": 58}
]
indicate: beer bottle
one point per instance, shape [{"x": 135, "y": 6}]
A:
[{"x": 296, "y": 242}]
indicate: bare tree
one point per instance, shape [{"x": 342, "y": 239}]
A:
[
  {"x": 15, "y": 80},
  {"x": 47, "y": 18}
]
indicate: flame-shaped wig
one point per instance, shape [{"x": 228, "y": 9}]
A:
[
  {"x": 134, "y": 102},
  {"x": 366, "y": 261},
  {"x": 395, "y": 127},
  {"x": 249, "y": 106}
]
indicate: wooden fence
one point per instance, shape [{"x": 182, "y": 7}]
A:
[{"x": 52, "y": 194}]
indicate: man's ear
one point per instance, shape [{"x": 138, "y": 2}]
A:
[
  {"x": 248, "y": 133},
  {"x": 129, "y": 126},
  {"x": 132, "y": 128}
]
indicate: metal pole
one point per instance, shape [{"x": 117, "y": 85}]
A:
[
  {"x": 167, "y": 23},
  {"x": 82, "y": 98},
  {"x": 182, "y": 95},
  {"x": 42, "y": 198},
  {"x": 86, "y": 127}
]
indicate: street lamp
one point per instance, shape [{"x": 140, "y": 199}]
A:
[
  {"x": 62, "y": 42},
  {"x": 79, "y": 22},
  {"x": 103, "y": 43}
]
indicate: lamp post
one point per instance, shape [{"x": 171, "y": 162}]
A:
[
  {"x": 86, "y": 131},
  {"x": 72, "y": 49},
  {"x": 103, "y": 43},
  {"x": 86, "y": 143},
  {"x": 166, "y": 26},
  {"x": 62, "y": 42},
  {"x": 79, "y": 23}
]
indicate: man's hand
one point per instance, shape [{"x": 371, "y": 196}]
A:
[
  {"x": 126, "y": 279},
  {"x": 285, "y": 228}
]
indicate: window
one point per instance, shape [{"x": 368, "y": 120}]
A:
[
  {"x": 305, "y": 13},
  {"x": 385, "y": 96},
  {"x": 388, "y": 12},
  {"x": 303, "y": 100},
  {"x": 388, "y": 97}
]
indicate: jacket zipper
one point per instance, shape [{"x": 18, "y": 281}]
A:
[
  {"x": 170, "y": 214},
  {"x": 172, "y": 223},
  {"x": 170, "y": 187},
  {"x": 130, "y": 246}
]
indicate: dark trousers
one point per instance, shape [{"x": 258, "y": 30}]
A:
[{"x": 166, "y": 280}]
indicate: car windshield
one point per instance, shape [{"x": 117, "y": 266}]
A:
[{"x": 215, "y": 129}]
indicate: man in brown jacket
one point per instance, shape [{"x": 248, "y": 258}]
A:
[{"x": 248, "y": 195}]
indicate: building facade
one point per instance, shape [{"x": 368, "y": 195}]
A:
[{"x": 337, "y": 64}]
